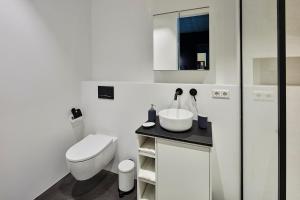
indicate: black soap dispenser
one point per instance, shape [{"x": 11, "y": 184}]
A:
[{"x": 152, "y": 114}]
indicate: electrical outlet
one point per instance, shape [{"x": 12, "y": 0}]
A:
[
  {"x": 220, "y": 94},
  {"x": 263, "y": 95},
  {"x": 225, "y": 94},
  {"x": 216, "y": 94}
]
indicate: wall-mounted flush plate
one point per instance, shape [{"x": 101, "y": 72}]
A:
[
  {"x": 263, "y": 95},
  {"x": 106, "y": 92},
  {"x": 220, "y": 94}
]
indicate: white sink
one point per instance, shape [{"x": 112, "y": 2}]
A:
[{"x": 176, "y": 120}]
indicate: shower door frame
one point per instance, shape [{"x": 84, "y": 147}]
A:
[
  {"x": 281, "y": 70},
  {"x": 281, "y": 40}
]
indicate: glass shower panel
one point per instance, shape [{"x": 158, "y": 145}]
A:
[
  {"x": 293, "y": 98},
  {"x": 260, "y": 118}
]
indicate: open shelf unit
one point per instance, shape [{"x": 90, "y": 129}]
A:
[
  {"x": 147, "y": 147},
  {"x": 147, "y": 191},
  {"x": 146, "y": 168}
]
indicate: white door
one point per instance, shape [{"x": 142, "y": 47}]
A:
[
  {"x": 182, "y": 171},
  {"x": 165, "y": 41}
]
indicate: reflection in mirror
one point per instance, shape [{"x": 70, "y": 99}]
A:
[{"x": 194, "y": 42}]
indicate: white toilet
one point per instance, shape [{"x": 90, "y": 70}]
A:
[{"x": 90, "y": 155}]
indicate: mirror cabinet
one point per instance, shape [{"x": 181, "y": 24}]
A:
[{"x": 181, "y": 40}]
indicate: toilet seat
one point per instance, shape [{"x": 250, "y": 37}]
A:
[{"x": 88, "y": 148}]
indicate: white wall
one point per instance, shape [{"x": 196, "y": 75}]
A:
[
  {"x": 293, "y": 143},
  {"x": 122, "y": 41},
  {"x": 226, "y": 44},
  {"x": 260, "y": 40},
  {"x": 128, "y": 111},
  {"x": 260, "y": 116},
  {"x": 293, "y": 99},
  {"x": 123, "y": 47},
  {"x": 44, "y": 55},
  {"x": 259, "y": 34},
  {"x": 261, "y": 144},
  {"x": 292, "y": 28}
]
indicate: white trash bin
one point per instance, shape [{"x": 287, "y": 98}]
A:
[{"x": 126, "y": 177}]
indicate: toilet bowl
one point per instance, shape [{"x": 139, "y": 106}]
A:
[{"x": 90, "y": 155}]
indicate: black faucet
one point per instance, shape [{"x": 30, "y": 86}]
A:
[
  {"x": 178, "y": 91},
  {"x": 193, "y": 93}
]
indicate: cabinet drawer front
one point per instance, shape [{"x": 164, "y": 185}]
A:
[{"x": 182, "y": 171}]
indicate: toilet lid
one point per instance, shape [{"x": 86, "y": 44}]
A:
[{"x": 88, "y": 148}]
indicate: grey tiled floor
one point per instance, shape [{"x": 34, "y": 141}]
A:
[{"x": 104, "y": 186}]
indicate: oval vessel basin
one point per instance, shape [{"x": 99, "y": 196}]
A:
[{"x": 176, "y": 120}]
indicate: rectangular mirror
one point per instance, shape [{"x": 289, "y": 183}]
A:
[
  {"x": 181, "y": 40},
  {"x": 194, "y": 40}
]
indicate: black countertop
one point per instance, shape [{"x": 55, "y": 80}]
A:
[{"x": 195, "y": 135}]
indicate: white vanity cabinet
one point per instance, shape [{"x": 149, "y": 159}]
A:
[
  {"x": 183, "y": 171},
  {"x": 180, "y": 170}
]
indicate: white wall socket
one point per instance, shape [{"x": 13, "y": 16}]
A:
[
  {"x": 263, "y": 95},
  {"x": 220, "y": 94}
]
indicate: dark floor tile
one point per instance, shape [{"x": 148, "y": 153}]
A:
[{"x": 104, "y": 186}]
